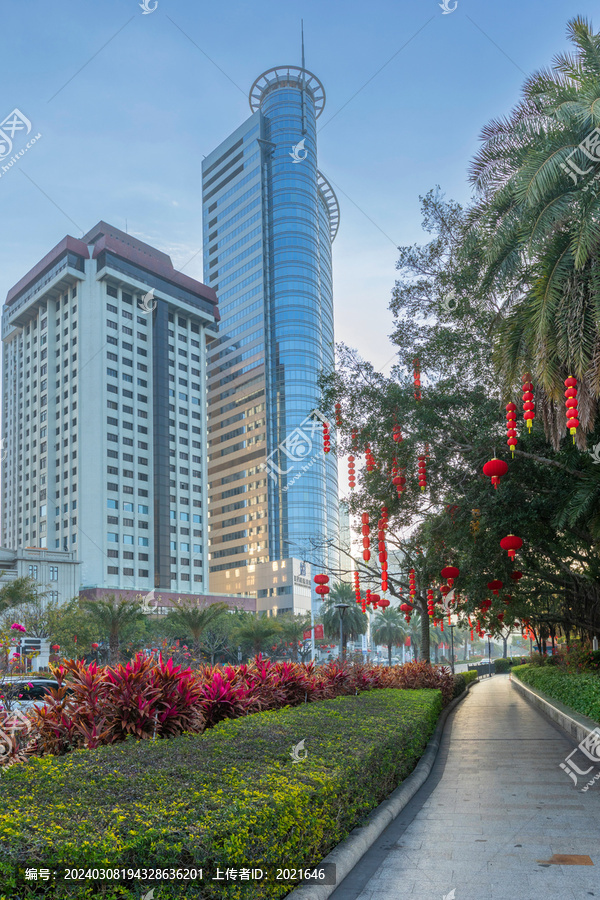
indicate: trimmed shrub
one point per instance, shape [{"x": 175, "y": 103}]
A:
[
  {"x": 579, "y": 690},
  {"x": 470, "y": 676},
  {"x": 501, "y": 666},
  {"x": 460, "y": 684},
  {"x": 150, "y": 698},
  {"x": 230, "y": 796}
]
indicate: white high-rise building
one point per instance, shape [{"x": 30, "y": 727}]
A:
[{"x": 104, "y": 413}]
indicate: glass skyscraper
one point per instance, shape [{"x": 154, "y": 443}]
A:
[{"x": 269, "y": 219}]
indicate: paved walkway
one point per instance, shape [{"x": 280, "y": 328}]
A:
[{"x": 495, "y": 806}]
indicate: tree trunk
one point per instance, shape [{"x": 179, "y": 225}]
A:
[
  {"x": 390, "y": 653},
  {"x": 113, "y": 648},
  {"x": 505, "y": 647}
]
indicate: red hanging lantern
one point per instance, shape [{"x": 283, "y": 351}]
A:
[
  {"x": 528, "y": 404},
  {"x": 338, "y": 414},
  {"x": 417, "y": 379},
  {"x": 406, "y": 608},
  {"x": 495, "y": 585},
  {"x": 56, "y": 647},
  {"x": 326, "y": 438},
  {"x": 571, "y": 400},
  {"x": 511, "y": 426},
  {"x": 516, "y": 576},
  {"x": 511, "y": 543},
  {"x": 495, "y": 469},
  {"x": 322, "y": 582},
  {"x": 397, "y": 434},
  {"x": 450, "y": 573},
  {"x": 95, "y": 646},
  {"x": 384, "y": 602}
]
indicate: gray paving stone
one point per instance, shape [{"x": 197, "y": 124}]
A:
[{"x": 497, "y": 784}]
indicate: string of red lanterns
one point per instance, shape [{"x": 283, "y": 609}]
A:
[
  {"x": 417, "y": 379},
  {"x": 511, "y": 426},
  {"x": 365, "y": 537},
  {"x": 528, "y": 404},
  {"x": 422, "y": 471},
  {"x": 338, "y": 414},
  {"x": 383, "y": 558},
  {"x": 326, "y": 438},
  {"x": 322, "y": 582},
  {"x": 351, "y": 473},
  {"x": 369, "y": 458},
  {"x": 571, "y": 401}
]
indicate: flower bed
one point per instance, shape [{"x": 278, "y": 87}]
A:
[
  {"x": 149, "y": 699},
  {"x": 579, "y": 690},
  {"x": 229, "y": 797}
]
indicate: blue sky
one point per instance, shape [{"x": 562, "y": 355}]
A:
[{"x": 127, "y": 105}]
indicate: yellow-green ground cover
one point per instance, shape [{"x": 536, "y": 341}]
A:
[{"x": 231, "y": 797}]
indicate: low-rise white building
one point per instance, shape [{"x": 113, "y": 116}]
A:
[{"x": 56, "y": 572}]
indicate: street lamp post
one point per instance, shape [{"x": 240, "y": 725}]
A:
[
  {"x": 341, "y": 608},
  {"x": 453, "y": 624},
  {"x": 489, "y": 655}
]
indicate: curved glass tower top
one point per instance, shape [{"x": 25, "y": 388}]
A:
[{"x": 270, "y": 218}]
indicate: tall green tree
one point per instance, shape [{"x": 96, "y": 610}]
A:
[
  {"x": 292, "y": 632},
  {"x": 354, "y": 620},
  {"x": 111, "y": 617},
  {"x": 536, "y": 227},
  {"x": 256, "y": 632},
  {"x": 389, "y": 628}
]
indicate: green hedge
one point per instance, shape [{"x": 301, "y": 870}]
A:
[
  {"x": 469, "y": 676},
  {"x": 229, "y": 797},
  {"x": 501, "y": 666},
  {"x": 579, "y": 690},
  {"x": 460, "y": 684}
]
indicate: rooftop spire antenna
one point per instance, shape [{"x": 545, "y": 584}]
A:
[{"x": 302, "y": 80}]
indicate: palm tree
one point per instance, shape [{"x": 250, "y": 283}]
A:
[
  {"x": 536, "y": 229},
  {"x": 112, "y": 616},
  {"x": 355, "y": 621},
  {"x": 292, "y": 630},
  {"x": 256, "y": 631},
  {"x": 194, "y": 619},
  {"x": 388, "y": 628}
]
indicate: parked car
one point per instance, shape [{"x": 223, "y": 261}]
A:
[{"x": 24, "y": 693}]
